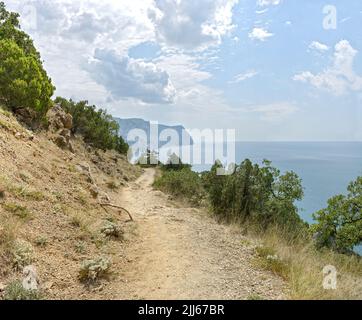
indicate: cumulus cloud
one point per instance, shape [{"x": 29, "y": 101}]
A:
[
  {"x": 316, "y": 45},
  {"x": 87, "y": 26},
  {"x": 68, "y": 32},
  {"x": 339, "y": 78},
  {"x": 260, "y": 34},
  {"x": 124, "y": 77},
  {"x": 193, "y": 96},
  {"x": 264, "y": 3},
  {"x": 115, "y": 23},
  {"x": 192, "y": 25},
  {"x": 244, "y": 76}
]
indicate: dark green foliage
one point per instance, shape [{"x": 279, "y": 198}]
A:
[
  {"x": 339, "y": 226},
  {"x": 174, "y": 163},
  {"x": 214, "y": 185},
  {"x": 184, "y": 184},
  {"x": 10, "y": 30},
  {"x": 256, "y": 193},
  {"x": 23, "y": 80},
  {"x": 96, "y": 126},
  {"x": 149, "y": 159}
]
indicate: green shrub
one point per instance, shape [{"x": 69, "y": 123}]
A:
[
  {"x": 339, "y": 226},
  {"x": 23, "y": 80},
  {"x": 259, "y": 194},
  {"x": 96, "y": 126},
  {"x": 80, "y": 247},
  {"x": 174, "y": 163},
  {"x": 10, "y": 29},
  {"x": 22, "y": 254},
  {"x": 92, "y": 270},
  {"x": 110, "y": 229},
  {"x": 184, "y": 184},
  {"x": 16, "y": 291}
]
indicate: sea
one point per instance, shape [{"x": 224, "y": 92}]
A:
[{"x": 326, "y": 168}]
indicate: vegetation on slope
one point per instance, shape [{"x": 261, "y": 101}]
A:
[
  {"x": 49, "y": 217},
  {"x": 46, "y": 197},
  {"x": 96, "y": 126},
  {"x": 179, "y": 180},
  {"x": 339, "y": 225},
  {"x": 24, "y": 84},
  {"x": 23, "y": 80},
  {"x": 261, "y": 201},
  {"x": 259, "y": 194}
]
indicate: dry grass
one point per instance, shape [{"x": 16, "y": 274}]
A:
[
  {"x": 301, "y": 265},
  {"x": 8, "y": 121},
  {"x": 8, "y": 233},
  {"x": 17, "y": 210},
  {"x": 9, "y": 229},
  {"x": 45, "y": 200},
  {"x": 22, "y": 191}
]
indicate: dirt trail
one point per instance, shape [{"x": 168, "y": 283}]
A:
[{"x": 182, "y": 253}]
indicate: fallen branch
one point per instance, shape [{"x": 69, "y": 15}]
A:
[{"x": 116, "y": 207}]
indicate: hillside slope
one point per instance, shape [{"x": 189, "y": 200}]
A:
[
  {"x": 51, "y": 219},
  {"x": 49, "y": 211}
]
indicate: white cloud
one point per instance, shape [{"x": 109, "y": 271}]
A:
[
  {"x": 244, "y": 76},
  {"x": 264, "y": 3},
  {"x": 260, "y": 34},
  {"x": 339, "y": 78},
  {"x": 262, "y": 11},
  {"x": 193, "y": 96},
  {"x": 315, "y": 45},
  {"x": 124, "y": 77},
  {"x": 87, "y": 26},
  {"x": 192, "y": 25},
  {"x": 67, "y": 34},
  {"x": 273, "y": 112}
]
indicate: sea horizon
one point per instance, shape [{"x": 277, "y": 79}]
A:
[{"x": 325, "y": 167}]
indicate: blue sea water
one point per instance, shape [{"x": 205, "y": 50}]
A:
[{"x": 326, "y": 168}]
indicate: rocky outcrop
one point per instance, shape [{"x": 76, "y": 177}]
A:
[
  {"x": 59, "y": 125},
  {"x": 28, "y": 117},
  {"x": 31, "y": 279}
]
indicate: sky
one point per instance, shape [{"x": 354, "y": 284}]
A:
[{"x": 274, "y": 70}]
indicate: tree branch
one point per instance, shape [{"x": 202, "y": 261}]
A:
[{"x": 103, "y": 205}]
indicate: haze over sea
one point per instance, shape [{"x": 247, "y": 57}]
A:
[{"x": 326, "y": 168}]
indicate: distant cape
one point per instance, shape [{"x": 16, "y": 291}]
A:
[{"x": 127, "y": 125}]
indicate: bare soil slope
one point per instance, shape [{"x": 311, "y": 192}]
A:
[{"x": 48, "y": 204}]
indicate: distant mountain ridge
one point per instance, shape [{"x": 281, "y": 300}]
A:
[{"x": 126, "y": 125}]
